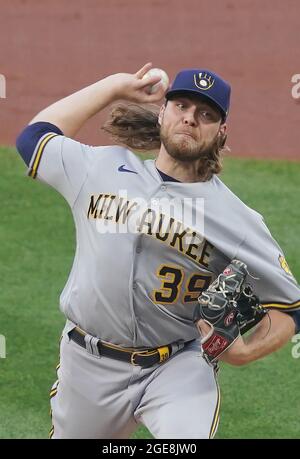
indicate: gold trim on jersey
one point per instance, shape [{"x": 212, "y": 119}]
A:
[
  {"x": 287, "y": 306},
  {"x": 53, "y": 392},
  {"x": 37, "y": 159},
  {"x": 216, "y": 417},
  {"x": 51, "y": 432}
]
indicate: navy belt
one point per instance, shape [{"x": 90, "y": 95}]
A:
[{"x": 143, "y": 358}]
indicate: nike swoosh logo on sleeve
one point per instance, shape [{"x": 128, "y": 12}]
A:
[{"x": 122, "y": 169}]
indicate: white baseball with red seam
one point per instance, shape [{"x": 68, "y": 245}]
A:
[{"x": 164, "y": 80}]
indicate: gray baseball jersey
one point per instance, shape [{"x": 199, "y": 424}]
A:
[{"x": 147, "y": 248}]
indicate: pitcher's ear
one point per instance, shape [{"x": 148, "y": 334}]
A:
[
  {"x": 223, "y": 141},
  {"x": 222, "y": 136},
  {"x": 161, "y": 114}
]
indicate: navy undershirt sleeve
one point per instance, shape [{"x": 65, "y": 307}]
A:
[{"x": 30, "y": 136}]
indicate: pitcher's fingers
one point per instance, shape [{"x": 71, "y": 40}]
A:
[
  {"x": 140, "y": 73},
  {"x": 149, "y": 81},
  {"x": 204, "y": 326}
]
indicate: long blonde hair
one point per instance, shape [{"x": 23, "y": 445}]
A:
[{"x": 136, "y": 127}]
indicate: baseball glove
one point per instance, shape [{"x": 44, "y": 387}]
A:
[{"x": 229, "y": 307}]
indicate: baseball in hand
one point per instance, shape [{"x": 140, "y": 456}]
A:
[{"x": 164, "y": 80}]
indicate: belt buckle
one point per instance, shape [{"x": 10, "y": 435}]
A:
[
  {"x": 141, "y": 353},
  {"x": 132, "y": 359}
]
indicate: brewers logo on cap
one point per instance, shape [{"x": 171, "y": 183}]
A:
[{"x": 203, "y": 81}]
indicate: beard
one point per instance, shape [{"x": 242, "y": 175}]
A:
[{"x": 185, "y": 148}]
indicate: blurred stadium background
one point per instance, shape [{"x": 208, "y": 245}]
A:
[{"x": 50, "y": 49}]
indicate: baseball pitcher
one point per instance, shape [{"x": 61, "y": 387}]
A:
[{"x": 171, "y": 268}]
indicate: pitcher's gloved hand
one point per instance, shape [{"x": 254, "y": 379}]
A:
[{"x": 229, "y": 307}]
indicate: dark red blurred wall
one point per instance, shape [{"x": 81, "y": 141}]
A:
[{"x": 49, "y": 49}]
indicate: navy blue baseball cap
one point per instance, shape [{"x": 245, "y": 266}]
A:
[{"x": 202, "y": 83}]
